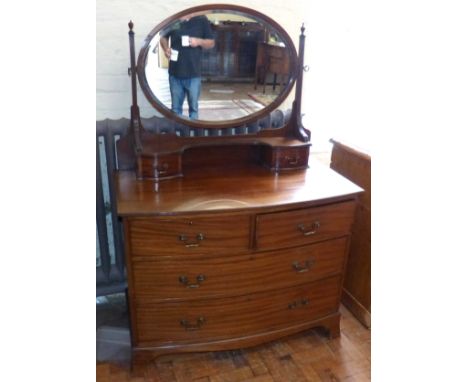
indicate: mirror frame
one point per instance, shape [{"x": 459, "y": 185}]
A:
[{"x": 167, "y": 112}]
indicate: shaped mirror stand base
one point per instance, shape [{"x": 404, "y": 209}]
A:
[{"x": 160, "y": 166}]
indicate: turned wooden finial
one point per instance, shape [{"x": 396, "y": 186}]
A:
[
  {"x": 130, "y": 25},
  {"x": 302, "y": 28}
]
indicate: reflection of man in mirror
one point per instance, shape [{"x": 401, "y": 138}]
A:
[{"x": 188, "y": 37}]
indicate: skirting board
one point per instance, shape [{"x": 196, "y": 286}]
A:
[{"x": 361, "y": 313}]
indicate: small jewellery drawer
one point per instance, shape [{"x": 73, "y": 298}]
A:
[
  {"x": 193, "y": 277},
  {"x": 299, "y": 227},
  {"x": 159, "y": 166},
  {"x": 292, "y": 157},
  {"x": 180, "y": 236},
  {"x": 234, "y": 317},
  {"x": 286, "y": 158}
]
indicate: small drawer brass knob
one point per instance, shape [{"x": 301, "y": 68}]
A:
[
  {"x": 162, "y": 169},
  {"x": 185, "y": 281},
  {"x": 292, "y": 160}
]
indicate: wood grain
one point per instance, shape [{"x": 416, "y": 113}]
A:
[
  {"x": 189, "y": 236},
  {"x": 250, "y": 188},
  {"x": 235, "y": 317},
  {"x": 159, "y": 279},
  {"x": 243, "y": 273},
  {"x": 304, "y": 226}
]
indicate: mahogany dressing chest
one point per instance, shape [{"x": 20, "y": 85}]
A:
[{"x": 230, "y": 240}]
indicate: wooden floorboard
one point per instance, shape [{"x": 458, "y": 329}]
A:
[{"x": 308, "y": 356}]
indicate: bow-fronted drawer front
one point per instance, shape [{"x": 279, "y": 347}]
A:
[
  {"x": 299, "y": 227},
  {"x": 159, "y": 166},
  {"x": 193, "y": 277},
  {"x": 235, "y": 317},
  {"x": 182, "y": 236}
]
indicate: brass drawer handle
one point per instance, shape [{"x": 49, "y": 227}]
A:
[
  {"x": 298, "y": 304},
  {"x": 184, "y": 281},
  {"x": 314, "y": 228},
  {"x": 188, "y": 244},
  {"x": 299, "y": 268},
  {"x": 188, "y": 326}
]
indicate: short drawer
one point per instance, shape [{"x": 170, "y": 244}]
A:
[
  {"x": 193, "y": 277},
  {"x": 181, "y": 236},
  {"x": 159, "y": 166},
  {"x": 234, "y": 317},
  {"x": 299, "y": 227},
  {"x": 286, "y": 158}
]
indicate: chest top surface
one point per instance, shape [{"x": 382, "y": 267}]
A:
[{"x": 231, "y": 190}]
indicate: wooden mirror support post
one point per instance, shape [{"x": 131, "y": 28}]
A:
[
  {"x": 161, "y": 156},
  {"x": 130, "y": 146},
  {"x": 135, "y": 110},
  {"x": 303, "y": 134}
]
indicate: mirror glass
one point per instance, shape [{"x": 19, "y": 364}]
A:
[{"x": 239, "y": 64}]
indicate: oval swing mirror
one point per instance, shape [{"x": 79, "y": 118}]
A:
[{"x": 217, "y": 66}]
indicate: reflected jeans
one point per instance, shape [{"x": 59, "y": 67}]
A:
[{"x": 185, "y": 86}]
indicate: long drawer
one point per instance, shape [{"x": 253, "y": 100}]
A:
[
  {"x": 300, "y": 227},
  {"x": 193, "y": 277},
  {"x": 181, "y": 236},
  {"x": 234, "y": 317}
]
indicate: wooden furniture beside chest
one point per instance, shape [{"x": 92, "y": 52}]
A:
[
  {"x": 271, "y": 59},
  {"x": 225, "y": 262},
  {"x": 355, "y": 164},
  {"x": 233, "y": 57}
]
